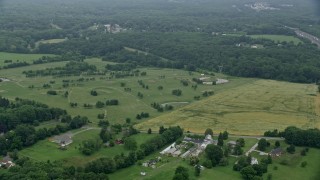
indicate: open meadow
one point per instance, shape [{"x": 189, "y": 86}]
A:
[
  {"x": 46, "y": 150},
  {"x": 249, "y": 109},
  {"x": 278, "y": 38}
]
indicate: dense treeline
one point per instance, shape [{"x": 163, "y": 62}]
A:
[
  {"x": 28, "y": 169},
  {"x": 96, "y": 46},
  {"x": 281, "y": 61},
  {"x": 61, "y": 19},
  {"x": 167, "y": 136},
  {"x": 18, "y": 118},
  {"x": 136, "y": 58},
  {"x": 300, "y": 137},
  {"x": 72, "y": 68},
  {"x": 275, "y": 60},
  {"x": 187, "y": 42},
  {"x": 26, "y": 135},
  {"x": 45, "y": 59},
  {"x": 23, "y": 111},
  {"x": 297, "y": 136}
]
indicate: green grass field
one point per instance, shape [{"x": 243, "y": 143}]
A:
[
  {"x": 249, "y": 109},
  {"x": 310, "y": 172},
  {"x": 166, "y": 171},
  {"x": 19, "y": 57},
  {"x": 130, "y": 105},
  {"x": 47, "y": 150},
  {"x": 278, "y": 38}
]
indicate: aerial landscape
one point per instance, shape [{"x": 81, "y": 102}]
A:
[{"x": 160, "y": 89}]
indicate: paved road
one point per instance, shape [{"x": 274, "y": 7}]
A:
[
  {"x": 312, "y": 38},
  {"x": 252, "y": 149},
  {"x": 232, "y": 136}
]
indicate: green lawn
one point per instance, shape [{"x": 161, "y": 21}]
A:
[
  {"x": 278, "y": 38},
  {"x": 46, "y": 150},
  {"x": 166, "y": 169},
  {"x": 294, "y": 171}
]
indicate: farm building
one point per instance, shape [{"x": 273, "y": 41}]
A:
[
  {"x": 254, "y": 161},
  {"x": 63, "y": 140},
  {"x": 276, "y": 152},
  {"x": 207, "y": 83},
  {"x": 191, "y": 146},
  {"x": 232, "y": 144},
  {"x": 222, "y": 81},
  {"x": 6, "y": 162},
  {"x": 151, "y": 163},
  {"x": 119, "y": 141},
  {"x": 168, "y": 149}
]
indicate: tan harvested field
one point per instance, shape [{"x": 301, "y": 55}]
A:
[{"x": 249, "y": 109}]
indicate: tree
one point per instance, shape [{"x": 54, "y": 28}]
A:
[
  {"x": 237, "y": 150},
  {"x": 214, "y": 153},
  {"x": 207, "y": 163},
  {"x": 162, "y": 130},
  {"x": 241, "y": 142},
  {"x": 181, "y": 172},
  {"x": 220, "y": 140},
  {"x": 225, "y": 135},
  {"x": 88, "y": 147},
  {"x": 149, "y": 131},
  {"x": 277, "y": 144},
  {"x": 178, "y": 177},
  {"x": 128, "y": 120},
  {"x": 208, "y": 132},
  {"x": 194, "y": 160},
  {"x": 248, "y": 172},
  {"x": 140, "y": 154},
  {"x": 262, "y": 144},
  {"x": 99, "y": 104},
  {"x": 105, "y": 135},
  {"x": 226, "y": 152},
  {"x": 130, "y": 143},
  {"x": 304, "y": 164},
  {"x": 197, "y": 169},
  {"x": 93, "y": 93},
  {"x": 291, "y": 149}
]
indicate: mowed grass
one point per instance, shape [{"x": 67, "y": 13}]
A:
[
  {"x": 278, "y": 38},
  {"x": 46, "y": 150},
  {"x": 166, "y": 168},
  {"x": 296, "y": 172},
  {"x": 79, "y": 92},
  {"x": 19, "y": 57},
  {"x": 248, "y": 109}
]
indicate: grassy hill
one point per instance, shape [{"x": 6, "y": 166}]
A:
[{"x": 249, "y": 109}]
